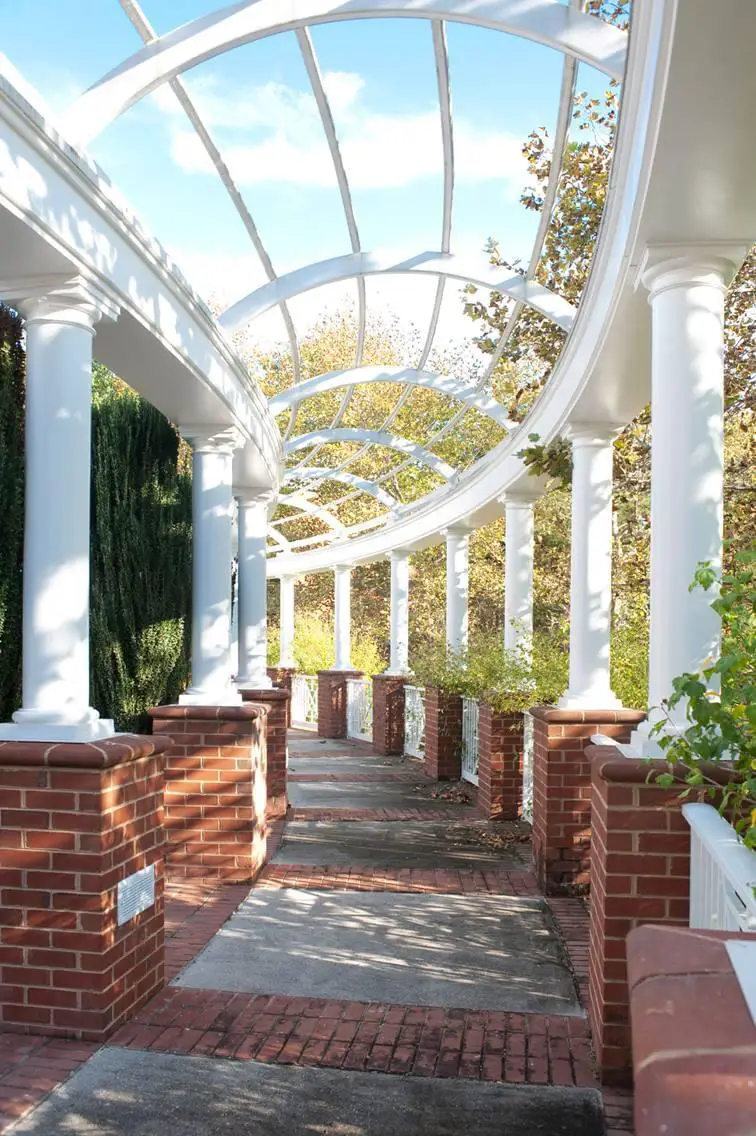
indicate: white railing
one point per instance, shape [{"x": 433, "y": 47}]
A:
[
  {"x": 470, "y": 721},
  {"x": 304, "y": 700},
  {"x": 414, "y": 721},
  {"x": 527, "y": 767},
  {"x": 360, "y": 709},
  {"x": 722, "y": 873}
]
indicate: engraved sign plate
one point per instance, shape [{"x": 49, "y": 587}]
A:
[{"x": 135, "y": 894}]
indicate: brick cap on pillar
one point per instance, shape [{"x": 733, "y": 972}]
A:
[
  {"x": 607, "y": 766},
  {"x": 557, "y": 715},
  {"x": 244, "y": 711},
  {"x": 351, "y": 672},
  {"x": 705, "y": 1033},
  {"x": 265, "y": 694},
  {"x": 105, "y": 754}
]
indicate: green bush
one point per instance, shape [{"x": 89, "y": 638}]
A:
[
  {"x": 314, "y": 648},
  {"x": 487, "y": 671}
]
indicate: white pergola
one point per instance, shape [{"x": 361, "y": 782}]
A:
[{"x": 679, "y": 218}]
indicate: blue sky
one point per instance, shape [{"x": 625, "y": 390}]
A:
[{"x": 257, "y": 101}]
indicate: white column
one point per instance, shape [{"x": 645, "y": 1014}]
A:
[
  {"x": 686, "y": 293},
  {"x": 59, "y": 330},
  {"x": 457, "y": 587},
  {"x": 253, "y": 589},
  {"x": 342, "y": 580},
  {"x": 399, "y": 661},
  {"x": 591, "y": 568},
  {"x": 286, "y": 652},
  {"x": 212, "y": 520},
  {"x": 518, "y": 572}
]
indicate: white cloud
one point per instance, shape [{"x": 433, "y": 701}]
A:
[{"x": 380, "y": 151}]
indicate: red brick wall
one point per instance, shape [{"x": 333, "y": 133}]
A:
[
  {"x": 282, "y": 677},
  {"x": 332, "y": 702},
  {"x": 277, "y": 704},
  {"x": 640, "y": 873},
  {"x": 388, "y": 713},
  {"x": 500, "y": 748},
  {"x": 443, "y": 735},
  {"x": 75, "y": 820},
  {"x": 215, "y": 789},
  {"x": 562, "y": 789}
]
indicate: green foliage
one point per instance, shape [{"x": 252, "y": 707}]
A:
[
  {"x": 506, "y": 679},
  {"x": 720, "y": 702},
  {"x": 550, "y": 459},
  {"x": 314, "y": 647},
  {"x": 12, "y": 391},
  {"x": 141, "y": 556}
]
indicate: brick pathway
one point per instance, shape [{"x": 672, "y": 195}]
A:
[
  {"x": 417, "y": 1040},
  {"x": 528, "y": 1049},
  {"x": 439, "y": 881}
]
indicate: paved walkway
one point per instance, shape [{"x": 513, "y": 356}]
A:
[{"x": 394, "y": 971}]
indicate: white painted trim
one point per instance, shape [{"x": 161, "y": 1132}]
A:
[
  {"x": 441, "y": 384},
  {"x": 377, "y": 438},
  {"x": 468, "y": 269},
  {"x": 547, "y": 22}
]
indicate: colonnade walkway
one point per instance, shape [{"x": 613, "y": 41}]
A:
[{"x": 392, "y": 972}]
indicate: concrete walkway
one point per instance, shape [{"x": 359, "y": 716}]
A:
[{"x": 383, "y": 976}]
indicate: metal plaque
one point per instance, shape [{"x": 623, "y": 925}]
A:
[{"x": 135, "y": 894}]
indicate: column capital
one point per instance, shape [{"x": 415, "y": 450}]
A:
[
  {"x": 456, "y": 530},
  {"x": 664, "y": 267},
  {"x": 398, "y": 554},
  {"x": 254, "y": 495},
  {"x": 57, "y": 298},
  {"x": 592, "y": 434},
  {"x": 344, "y": 567},
  {"x": 213, "y": 439},
  {"x": 520, "y": 498}
]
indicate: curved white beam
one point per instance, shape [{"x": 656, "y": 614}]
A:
[
  {"x": 470, "y": 269},
  {"x": 441, "y": 384},
  {"x": 146, "y": 31},
  {"x": 548, "y": 22},
  {"x": 376, "y": 438},
  {"x": 298, "y": 501},
  {"x": 314, "y": 474}
]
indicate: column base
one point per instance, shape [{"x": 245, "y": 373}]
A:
[
  {"x": 228, "y": 696},
  {"x": 595, "y": 700},
  {"x": 254, "y": 682},
  {"x": 28, "y": 726}
]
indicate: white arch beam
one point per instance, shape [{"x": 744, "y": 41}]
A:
[
  {"x": 544, "y": 21},
  {"x": 314, "y": 474},
  {"x": 376, "y": 438},
  {"x": 441, "y": 384},
  {"x": 299, "y": 501},
  {"x": 469, "y": 269}
]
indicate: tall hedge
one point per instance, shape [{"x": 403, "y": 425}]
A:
[{"x": 141, "y": 545}]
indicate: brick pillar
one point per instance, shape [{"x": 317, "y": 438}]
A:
[
  {"x": 277, "y": 703},
  {"x": 77, "y": 820},
  {"x": 562, "y": 789},
  {"x": 705, "y": 1037},
  {"x": 500, "y": 750},
  {"x": 640, "y": 873},
  {"x": 215, "y": 789},
  {"x": 332, "y": 702},
  {"x": 388, "y": 713},
  {"x": 443, "y": 734},
  {"x": 283, "y": 678}
]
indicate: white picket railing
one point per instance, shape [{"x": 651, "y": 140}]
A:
[
  {"x": 304, "y": 700},
  {"x": 527, "y": 767},
  {"x": 723, "y": 889},
  {"x": 722, "y": 873},
  {"x": 414, "y": 721},
  {"x": 360, "y": 709},
  {"x": 470, "y": 721}
]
